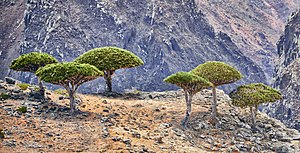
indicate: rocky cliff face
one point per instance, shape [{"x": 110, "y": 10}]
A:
[
  {"x": 169, "y": 36},
  {"x": 254, "y": 25},
  {"x": 288, "y": 74}
]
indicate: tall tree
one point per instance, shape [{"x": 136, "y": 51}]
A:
[
  {"x": 218, "y": 73},
  {"x": 191, "y": 84},
  {"x": 252, "y": 95},
  {"x": 69, "y": 75},
  {"x": 31, "y": 62},
  {"x": 108, "y": 60}
]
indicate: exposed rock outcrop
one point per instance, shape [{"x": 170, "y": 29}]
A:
[
  {"x": 288, "y": 75},
  {"x": 170, "y": 36}
]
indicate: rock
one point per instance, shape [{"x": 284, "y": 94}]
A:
[
  {"x": 159, "y": 140},
  {"x": 165, "y": 125},
  {"x": 127, "y": 142},
  {"x": 105, "y": 110},
  {"x": 105, "y": 132},
  {"x": 10, "y": 80},
  {"x": 61, "y": 97},
  {"x": 283, "y": 149},
  {"x": 116, "y": 138},
  {"x": 9, "y": 143},
  {"x": 136, "y": 134}
]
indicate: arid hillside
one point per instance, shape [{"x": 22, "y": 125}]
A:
[{"x": 133, "y": 122}]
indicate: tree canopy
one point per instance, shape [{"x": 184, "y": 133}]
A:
[
  {"x": 65, "y": 73},
  {"x": 31, "y": 62},
  {"x": 254, "y": 94},
  {"x": 69, "y": 75},
  {"x": 189, "y": 82},
  {"x": 218, "y": 73},
  {"x": 110, "y": 58}
]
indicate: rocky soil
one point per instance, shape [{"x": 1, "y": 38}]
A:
[{"x": 134, "y": 122}]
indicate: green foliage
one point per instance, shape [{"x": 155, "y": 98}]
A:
[
  {"x": 22, "y": 109},
  {"x": 254, "y": 94},
  {"x": 218, "y": 73},
  {"x": 188, "y": 81},
  {"x": 36, "y": 89},
  {"x": 32, "y": 61},
  {"x": 23, "y": 86},
  {"x": 61, "y": 92},
  {"x": 65, "y": 73},
  {"x": 4, "y": 96},
  {"x": 1, "y": 134},
  {"x": 110, "y": 58}
]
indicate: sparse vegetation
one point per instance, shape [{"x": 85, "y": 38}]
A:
[
  {"x": 69, "y": 75},
  {"x": 1, "y": 134},
  {"x": 22, "y": 109},
  {"x": 218, "y": 73},
  {"x": 252, "y": 95},
  {"x": 4, "y": 96},
  {"x": 31, "y": 62},
  {"x": 23, "y": 86},
  {"x": 191, "y": 84},
  {"x": 61, "y": 92},
  {"x": 108, "y": 60}
]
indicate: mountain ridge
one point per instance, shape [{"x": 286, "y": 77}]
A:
[{"x": 169, "y": 36}]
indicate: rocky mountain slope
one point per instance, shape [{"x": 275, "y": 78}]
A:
[
  {"x": 254, "y": 25},
  {"x": 170, "y": 36},
  {"x": 134, "y": 122},
  {"x": 287, "y": 74}
]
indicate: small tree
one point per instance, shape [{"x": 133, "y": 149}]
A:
[
  {"x": 108, "y": 60},
  {"x": 69, "y": 75},
  {"x": 252, "y": 95},
  {"x": 31, "y": 62},
  {"x": 191, "y": 84},
  {"x": 218, "y": 73}
]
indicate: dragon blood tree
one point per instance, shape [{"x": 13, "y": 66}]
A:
[
  {"x": 218, "y": 73},
  {"x": 31, "y": 62},
  {"x": 108, "y": 60},
  {"x": 191, "y": 84},
  {"x": 69, "y": 75},
  {"x": 252, "y": 95}
]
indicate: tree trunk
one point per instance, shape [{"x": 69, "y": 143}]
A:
[
  {"x": 72, "y": 101},
  {"x": 214, "y": 107},
  {"x": 42, "y": 89},
  {"x": 253, "y": 117},
  {"x": 108, "y": 77},
  {"x": 188, "y": 99},
  {"x": 256, "y": 109}
]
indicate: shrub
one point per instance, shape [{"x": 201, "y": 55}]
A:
[
  {"x": 218, "y": 73},
  {"x": 69, "y": 75},
  {"x": 1, "y": 134},
  {"x": 252, "y": 95},
  {"x": 191, "y": 84},
  {"x": 31, "y": 62},
  {"x": 108, "y": 60},
  {"x": 4, "y": 96},
  {"x": 22, "y": 109},
  {"x": 23, "y": 86}
]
